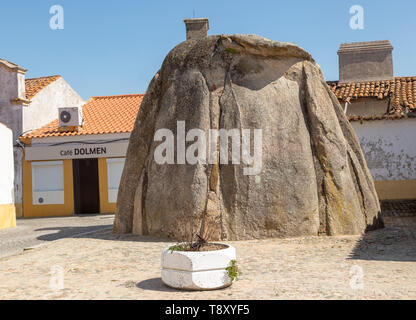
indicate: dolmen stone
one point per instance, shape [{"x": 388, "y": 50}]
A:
[{"x": 289, "y": 165}]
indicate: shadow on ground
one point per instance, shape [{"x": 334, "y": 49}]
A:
[
  {"x": 154, "y": 284},
  {"x": 103, "y": 232},
  {"x": 395, "y": 242}
]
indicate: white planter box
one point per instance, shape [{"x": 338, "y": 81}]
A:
[{"x": 197, "y": 270}]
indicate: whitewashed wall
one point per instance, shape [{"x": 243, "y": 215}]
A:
[
  {"x": 389, "y": 147},
  {"x": 12, "y": 87},
  {"x": 44, "y": 106},
  {"x": 6, "y": 166},
  {"x": 42, "y": 110}
]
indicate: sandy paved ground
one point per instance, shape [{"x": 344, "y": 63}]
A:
[
  {"x": 31, "y": 233},
  {"x": 106, "y": 266}
]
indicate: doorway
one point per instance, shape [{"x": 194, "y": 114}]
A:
[{"x": 86, "y": 192}]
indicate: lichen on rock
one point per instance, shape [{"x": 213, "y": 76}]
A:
[{"x": 314, "y": 178}]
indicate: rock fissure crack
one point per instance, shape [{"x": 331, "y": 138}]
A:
[{"x": 246, "y": 81}]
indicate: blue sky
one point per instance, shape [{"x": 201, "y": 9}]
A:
[{"x": 115, "y": 47}]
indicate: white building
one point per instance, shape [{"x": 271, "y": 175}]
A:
[
  {"x": 27, "y": 104},
  {"x": 7, "y": 208},
  {"x": 78, "y": 170},
  {"x": 382, "y": 110}
]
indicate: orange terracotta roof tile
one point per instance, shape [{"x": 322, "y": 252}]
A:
[
  {"x": 102, "y": 115},
  {"x": 402, "y": 90},
  {"x": 395, "y": 116},
  {"x": 34, "y": 85}
]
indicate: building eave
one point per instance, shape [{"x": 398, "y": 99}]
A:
[
  {"x": 11, "y": 67},
  {"x": 20, "y": 101}
]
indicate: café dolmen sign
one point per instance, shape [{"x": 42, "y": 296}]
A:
[
  {"x": 84, "y": 151},
  {"x": 68, "y": 151}
]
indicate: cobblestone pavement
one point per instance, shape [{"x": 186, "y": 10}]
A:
[
  {"x": 398, "y": 208},
  {"x": 100, "y": 265},
  {"x": 30, "y": 233}
]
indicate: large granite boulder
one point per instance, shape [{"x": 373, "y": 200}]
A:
[{"x": 313, "y": 178}]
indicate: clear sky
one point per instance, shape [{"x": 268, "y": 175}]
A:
[{"x": 115, "y": 47}]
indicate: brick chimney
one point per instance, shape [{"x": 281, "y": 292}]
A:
[
  {"x": 365, "y": 61},
  {"x": 196, "y": 28}
]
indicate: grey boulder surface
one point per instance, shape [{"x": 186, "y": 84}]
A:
[{"x": 314, "y": 178}]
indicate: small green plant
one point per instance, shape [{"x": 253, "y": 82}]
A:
[
  {"x": 189, "y": 246},
  {"x": 179, "y": 247},
  {"x": 231, "y": 50},
  {"x": 233, "y": 271}
]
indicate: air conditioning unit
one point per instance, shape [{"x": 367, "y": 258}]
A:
[{"x": 70, "y": 117}]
